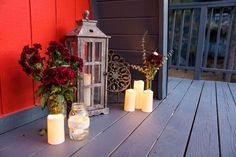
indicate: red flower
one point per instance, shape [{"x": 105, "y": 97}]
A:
[
  {"x": 58, "y": 76},
  {"x": 155, "y": 59}
]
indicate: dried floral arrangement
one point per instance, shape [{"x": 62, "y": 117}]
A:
[{"x": 151, "y": 62}]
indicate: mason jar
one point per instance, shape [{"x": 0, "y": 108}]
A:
[{"x": 78, "y": 122}]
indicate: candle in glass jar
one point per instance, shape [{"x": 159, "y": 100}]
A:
[
  {"x": 130, "y": 96},
  {"x": 147, "y": 101},
  {"x": 138, "y": 87},
  {"x": 87, "y": 90},
  {"x": 55, "y": 125}
]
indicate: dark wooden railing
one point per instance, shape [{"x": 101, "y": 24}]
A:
[{"x": 200, "y": 35}]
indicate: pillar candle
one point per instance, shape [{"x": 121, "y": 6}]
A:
[
  {"x": 56, "y": 130},
  {"x": 138, "y": 87},
  {"x": 87, "y": 90},
  {"x": 147, "y": 101},
  {"x": 130, "y": 96}
]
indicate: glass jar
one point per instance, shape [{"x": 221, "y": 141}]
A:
[{"x": 78, "y": 122}]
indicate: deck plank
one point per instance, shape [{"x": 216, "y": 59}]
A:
[
  {"x": 164, "y": 132},
  {"x": 114, "y": 136},
  {"x": 139, "y": 143},
  {"x": 35, "y": 145},
  {"x": 204, "y": 137},
  {"x": 173, "y": 140},
  {"x": 227, "y": 120}
]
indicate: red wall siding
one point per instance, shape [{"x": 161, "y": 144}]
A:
[{"x": 25, "y": 22}]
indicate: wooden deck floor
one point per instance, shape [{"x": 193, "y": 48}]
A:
[{"x": 197, "y": 119}]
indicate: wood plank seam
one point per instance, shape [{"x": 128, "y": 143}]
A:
[
  {"x": 154, "y": 143},
  {"x": 112, "y": 152},
  {"x": 190, "y": 133},
  {"x": 218, "y": 121},
  {"x": 231, "y": 93},
  {"x": 103, "y": 130}
]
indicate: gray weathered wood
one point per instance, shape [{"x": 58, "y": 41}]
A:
[
  {"x": 21, "y": 118},
  {"x": 218, "y": 37},
  {"x": 227, "y": 124},
  {"x": 230, "y": 20},
  {"x": 141, "y": 141},
  {"x": 208, "y": 39},
  {"x": 204, "y": 136},
  {"x": 114, "y": 136},
  {"x": 232, "y": 58},
  {"x": 135, "y": 134},
  {"x": 181, "y": 37},
  {"x": 172, "y": 36},
  {"x": 200, "y": 44},
  {"x": 232, "y": 87},
  {"x": 28, "y": 139},
  {"x": 193, "y": 5},
  {"x": 161, "y": 88},
  {"x": 174, "y": 138},
  {"x": 190, "y": 37}
]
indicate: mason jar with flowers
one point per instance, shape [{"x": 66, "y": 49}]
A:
[{"x": 57, "y": 72}]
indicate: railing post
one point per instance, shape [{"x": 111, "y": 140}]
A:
[{"x": 200, "y": 43}]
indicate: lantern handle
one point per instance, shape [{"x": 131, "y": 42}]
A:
[{"x": 86, "y": 15}]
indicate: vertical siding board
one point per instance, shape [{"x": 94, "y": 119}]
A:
[
  {"x": 16, "y": 87},
  {"x": 25, "y": 22},
  {"x": 80, "y": 7},
  {"x": 43, "y": 26},
  {"x": 65, "y": 17}
]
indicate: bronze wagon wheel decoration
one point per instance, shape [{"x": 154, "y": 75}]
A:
[{"x": 119, "y": 76}]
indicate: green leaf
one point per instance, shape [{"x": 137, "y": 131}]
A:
[
  {"x": 60, "y": 98},
  {"x": 39, "y": 91},
  {"x": 43, "y": 101},
  {"x": 55, "y": 89}
]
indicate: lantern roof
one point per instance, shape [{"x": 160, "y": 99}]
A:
[{"x": 86, "y": 28}]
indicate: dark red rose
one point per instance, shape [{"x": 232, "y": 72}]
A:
[{"x": 155, "y": 59}]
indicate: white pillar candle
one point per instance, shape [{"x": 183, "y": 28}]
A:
[
  {"x": 147, "y": 101},
  {"x": 130, "y": 96},
  {"x": 56, "y": 130},
  {"x": 138, "y": 87},
  {"x": 87, "y": 90}
]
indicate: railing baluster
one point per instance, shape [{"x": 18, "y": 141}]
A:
[
  {"x": 230, "y": 19},
  {"x": 172, "y": 36},
  {"x": 200, "y": 43},
  {"x": 181, "y": 37},
  {"x": 218, "y": 37},
  {"x": 208, "y": 39},
  {"x": 190, "y": 37}
]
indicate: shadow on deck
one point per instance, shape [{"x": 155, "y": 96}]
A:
[{"x": 198, "y": 118}]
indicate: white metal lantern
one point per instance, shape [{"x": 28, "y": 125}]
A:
[{"x": 91, "y": 44}]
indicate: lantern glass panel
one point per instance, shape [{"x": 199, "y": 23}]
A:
[
  {"x": 97, "y": 95},
  {"x": 98, "y": 51},
  {"x": 88, "y": 49},
  {"x": 87, "y": 90},
  {"x": 73, "y": 47},
  {"x": 88, "y": 70},
  {"x": 97, "y": 73}
]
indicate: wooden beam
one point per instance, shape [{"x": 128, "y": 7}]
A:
[{"x": 163, "y": 39}]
